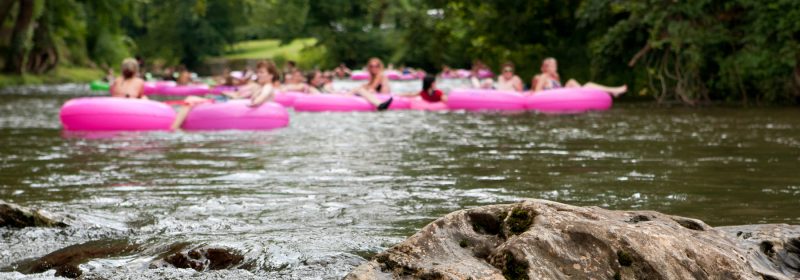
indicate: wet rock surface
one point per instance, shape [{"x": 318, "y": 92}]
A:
[
  {"x": 202, "y": 258},
  {"x": 15, "y": 216},
  {"x": 65, "y": 261},
  {"x": 539, "y": 239},
  {"x": 772, "y": 249}
]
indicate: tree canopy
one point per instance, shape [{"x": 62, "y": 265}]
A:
[{"x": 684, "y": 51}]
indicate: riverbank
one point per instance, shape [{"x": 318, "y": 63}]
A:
[{"x": 61, "y": 75}]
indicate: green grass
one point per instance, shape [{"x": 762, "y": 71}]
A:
[
  {"x": 62, "y": 74},
  {"x": 303, "y": 51},
  {"x": 269, "y": 49}
]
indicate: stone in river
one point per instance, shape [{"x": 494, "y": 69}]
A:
[
  {"x": 15, "y": 216},
  {"x": 200, "y": 259},
  {"x": 539, "y": 239}
]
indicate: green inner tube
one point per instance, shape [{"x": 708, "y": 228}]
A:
[{"x": 99, "y": 85}]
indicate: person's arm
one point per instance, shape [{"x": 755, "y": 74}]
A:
[
  {"x": 539, "y": 81},
  {"x": 476, "y": 83},
  {"x": 265, "y": 94},
  {"x": 385, "y": 87},
  {"x": 140, "y": 90}
]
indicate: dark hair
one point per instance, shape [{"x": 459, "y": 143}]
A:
[
  {"x": 427, "y": 83},
  {"x": 270, "y": 67}
]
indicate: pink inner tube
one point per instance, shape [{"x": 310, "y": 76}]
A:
[
  {"x": 393, "y": 74},
  {"x": 287, "y": 98},
  {"x": 155, "y": 87},
  {"x": 398, "y": 103},
  {"x": 345, "y": 103},
  {"x": 359, "y": 75},
  {"x": 483, "y": 74},
  {"x": 568, "y": 100},
  {"x": 481, "y": 99},
  {"x": 331, "y": 103},
  {"x": 235, "y": 114},
  {"x": 185, "y": 90},
  {"x": 420, "y": 104},
  {"x": 109, "y": 114}
]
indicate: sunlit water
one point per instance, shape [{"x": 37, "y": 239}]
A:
[{"x": 311, "y": 201}]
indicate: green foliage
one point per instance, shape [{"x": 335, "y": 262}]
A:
[
  {"x": 191, "y": 30},
  {"x": 694, "y": 51},
  {"x": 684, "y": 51}
]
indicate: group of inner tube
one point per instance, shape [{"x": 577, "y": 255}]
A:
[{"x": 266, "y": 84}]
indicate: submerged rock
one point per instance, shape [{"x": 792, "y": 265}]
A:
[
  {"x": 65, "y": 261},
  {"x": 538, "y": 239},
  {"x": 13, "y": 215},
  {"x": 199, "y": 259}
]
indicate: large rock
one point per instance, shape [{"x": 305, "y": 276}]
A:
[
  {"x": 12, "y": 215},
  {"x": 540, "y": 239}
]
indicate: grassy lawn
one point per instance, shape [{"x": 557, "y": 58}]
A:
[
  {"x": 268, "y": 49},
  {"x": 62, "y": 74},
  {"x": 302, "y": 51}
]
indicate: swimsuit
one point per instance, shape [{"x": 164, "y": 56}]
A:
[
  {"x": 434, "y": 96},
  {"x": 552, "y": 85}
]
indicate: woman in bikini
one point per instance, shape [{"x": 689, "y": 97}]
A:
[
  {"x": 549, "y": 79},
  {"x": 378, "y": 83},
  {"x": 129, "y": 85}
]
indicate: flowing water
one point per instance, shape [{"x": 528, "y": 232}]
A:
[{"x": 313, "y": 200}]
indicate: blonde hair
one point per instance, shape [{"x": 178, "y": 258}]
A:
[
  {"x": 545, "y": 62},
  {"x": 129, "y": 67}
]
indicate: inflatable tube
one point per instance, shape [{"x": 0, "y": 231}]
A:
[
  {"x": 99, "y": 85},
  {"x": 569, "y": 100},
  {"x": 109, "y": 114},
  {"x": 420, "y": 104},
  {"x": 287, "y": 98},
  {"x": 392, "y": 74},
  {"x": 480, "y": 99},
  {"x": 345, "y": 103},
  {"x": 398, "y": 103},
  {"x": 183, "y": 90},
  {"x": 236, "y": 114},
  {"x": 359, "y": 75},
  {"x": 221, "y": 89},
  {"x": 483, "y": 74},
  {"x": 331, "y": 103},
  {"x": 156, "y": 87}
]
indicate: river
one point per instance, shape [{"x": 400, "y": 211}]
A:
[{"x": 313, "y": 200}]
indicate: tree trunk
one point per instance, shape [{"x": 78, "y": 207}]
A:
[
  {"x": 43, "y": 56},
  {"x": 5, "y": 9},
  {"x": 20, "y": 36}
]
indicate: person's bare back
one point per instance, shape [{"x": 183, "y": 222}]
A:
[
  {"x": 129, "y": 85},
  {"x": 128, "y": 88}
]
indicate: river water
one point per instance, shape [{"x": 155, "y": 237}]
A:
[{"x": 313, "y": 200}]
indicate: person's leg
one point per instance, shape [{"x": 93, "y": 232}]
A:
[
  {"x": 183, "y": 111},
  {"x": 572, "y": 83},
  {"x": 614, "y": 91},
  {"x": 369, "y": 96}
]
